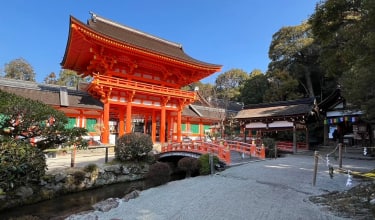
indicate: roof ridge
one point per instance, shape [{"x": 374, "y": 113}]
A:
[
  {"x": 95, "y": 17},
  {"x": 21, "y": 84},
  {"x": 309, "y": 100},
  {"x": 18, "y": 83}
]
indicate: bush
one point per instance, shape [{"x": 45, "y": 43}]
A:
[
  {"x": 270, "y": 145},
  {"x": 27, "y": 119},
  {"x": 188, "y": 164},
  {"x": 89, "y": 168},
  {"x": 133, "y": 147},
  {"x": 20, "y": 164},
  {"x": 79, "y": 176},
  {"x": 159, "y": 173},
  {"x": 204, "y": 164}
]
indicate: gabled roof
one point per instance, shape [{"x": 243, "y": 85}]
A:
[
  {"x": 121, "y": 34},
  {"x": 141, "y": 39},
  {"x": 49, "y": 94},
  {"x": 230, "y": 106},
  {"x": 204, "y": 112},
  {"x": 282, "y": 109},
  {"x": 331, "y": 101}
]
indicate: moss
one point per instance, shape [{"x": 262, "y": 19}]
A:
[
  {"x": 90, "y": 168},
  {"x": 79, "y": 176}
]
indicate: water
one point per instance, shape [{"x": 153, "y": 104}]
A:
[
  {"x": 66, "y": 205},
  {"x": 63, "y": 206}
]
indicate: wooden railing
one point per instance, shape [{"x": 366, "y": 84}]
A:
[
  {"x": 107, "y": 81},
  {"x": 199, "y": 147},
  {"x": 249, "y": 149},
  {"x": 288, "y": 146},
  {"x": 220, "y": 149}
]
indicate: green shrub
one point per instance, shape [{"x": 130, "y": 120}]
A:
[
  {"x": 89, "y": 168},
  {"x": 159, "y": 173},
  {"x": 79, "y": 176},
  {"x": 27, "y": 119},
  {"x": 269, "y": 144},
  {"x": 20, "y": 164},
  {"x": 133, "y": 147},
  {"x": 188, "y": 164},
  {"x": 204, "y": 164}
]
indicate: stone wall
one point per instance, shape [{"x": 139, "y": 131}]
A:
[{"x": 72, "y": 180}]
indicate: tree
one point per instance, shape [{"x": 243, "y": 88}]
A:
[
  {"x": 19, "y": 69},
  {"x": 228, "y": 84},
  {"x": 293, "y": 50},
  {"x": 335, "y": 26},
  {"x": 205, "y": 89},
  {"x": 253, "y": 89},
  {"x": 282, "y": 87},
  {"x": 36, "y": 123},
  {"x": 51, "y": 79},
  {"x": 68, "y": 78},
  {"x": 345, "y": 31},
  {"x": 357, "y": 81},
  {"x": 28, "y": 127}
]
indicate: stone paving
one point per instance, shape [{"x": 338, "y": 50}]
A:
[
  {"x": 84, "y": 157},
  {"x": 267, "y": 189}
]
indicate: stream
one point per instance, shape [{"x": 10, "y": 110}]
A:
[{"x": 66, "y": 205}]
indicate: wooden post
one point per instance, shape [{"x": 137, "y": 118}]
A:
[
  {"x": 294, "y": 138},
  {"x": 106, "y": 154},
  {"x": 340, "y": 155},
  {"x": 275, "y": 151},
  {"x": 73, "y": 156},
  {"x": 315, "y": 166},
  {"x": 211, "y": 159}
]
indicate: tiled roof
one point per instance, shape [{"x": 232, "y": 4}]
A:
[
  {"x": 49, "y": 94},
  {"x": 333, "y": 99},
  {"x": 277, "y": 109},
  {"x": 141, "y": 40},
  {"x": 197, "y": 111}
]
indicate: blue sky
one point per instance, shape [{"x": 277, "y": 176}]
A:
[{"x": 232, "y": 33}]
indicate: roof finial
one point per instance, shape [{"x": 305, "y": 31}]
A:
[{"x": 93, "y": 16}]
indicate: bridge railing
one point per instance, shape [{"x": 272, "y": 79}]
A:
[
  {"x": 200, "y": 147},
  {"x": 221, "y": 149},
  {"x": 246, "y": 148}
]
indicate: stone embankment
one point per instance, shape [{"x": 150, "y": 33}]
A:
[{"x": 69, "y": 180}]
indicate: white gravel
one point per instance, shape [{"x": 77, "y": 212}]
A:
[{"x": 270, "y": 189}]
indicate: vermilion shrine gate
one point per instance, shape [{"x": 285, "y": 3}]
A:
[{"x": 135, "y": 75}]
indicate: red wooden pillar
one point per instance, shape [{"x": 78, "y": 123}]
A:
[
  {"x": 170, "y": 127},
  {"x": 121, "y": 124},
  {"x": 81, "y": 119},
  {"x": 129, "y": 113},
  {"x": 163, "y": 120},
  {"x": 105, "y": 134},
  {"x": 153, "y": 127},
  {"x": 179, "y": 113},
  {"x": 201, "y": 129}
]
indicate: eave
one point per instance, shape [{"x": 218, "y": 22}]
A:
[{"x": 82, "y": 38}]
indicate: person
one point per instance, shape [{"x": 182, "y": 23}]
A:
[{"x": 335, "y": 135}]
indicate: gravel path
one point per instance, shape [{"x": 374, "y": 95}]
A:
[{"x": 270, "y": 189}]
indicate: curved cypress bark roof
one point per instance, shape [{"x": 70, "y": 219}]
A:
[
  {"x": 142, "y": 40},
  {"x": 138, "y": 39}
]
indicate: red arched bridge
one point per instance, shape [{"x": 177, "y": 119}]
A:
[{"x": 221, "y": 149}]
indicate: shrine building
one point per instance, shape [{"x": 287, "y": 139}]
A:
[{"x": 138, "y": 77}]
